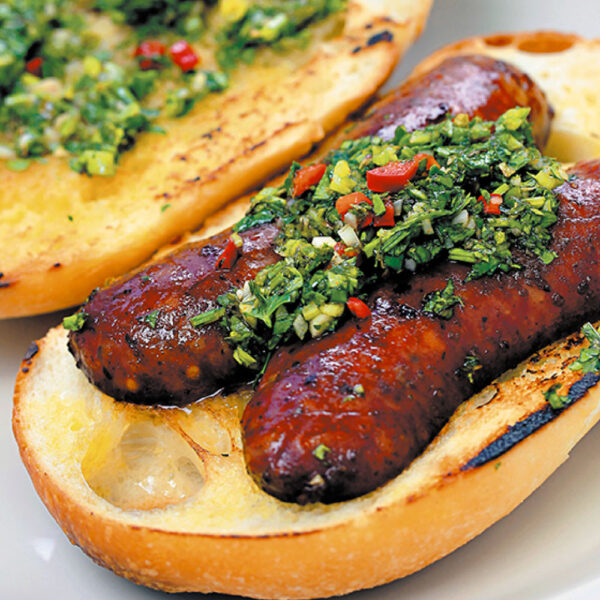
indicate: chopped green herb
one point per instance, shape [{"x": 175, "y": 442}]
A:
[
  {"x": 165, "y": 206},
  {"x": 320, "y": 451},
  {"x": 587, "y": 362},
  {"x": 441, "y": 303},
  {"x": 556, "y": 400},
  {"x": 66, "y": 90},
  {"x": 18, "y": 164},
  {"x": 437, "y": 213},
  {"x": 151, "y": 317},
  {"x": 470, "y": 365},
  {"x": 589, "y": 357},
  {"x": 75, "y": 321},
  {"x": 210, "y": 316}
]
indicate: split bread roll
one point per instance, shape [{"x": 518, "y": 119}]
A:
[
  {"x": 162, "y": 496},
  {"x": 64, "y": 233}
]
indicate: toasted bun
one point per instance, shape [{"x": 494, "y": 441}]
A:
[
  {"x": 62, "y": 240},
  {"x": 162, "y": 497}
]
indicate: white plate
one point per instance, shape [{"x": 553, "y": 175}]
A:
[{"x": 549, "y": 548}]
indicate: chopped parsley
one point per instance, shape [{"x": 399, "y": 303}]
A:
[
  {"x": 75, "y": 322},
  {"x": 270, "y": 22},
  {"x": 471, "y": 364},
  {"x": 320, "y": 451},
  {"x": 589, "y": 357},
  {"x": 556, "y": 400},
  {"x": 151, "y": 318},
  {"x": 587, "y": 362},
  {"x": 441, "y": 303},
  {"x": 475, "y": 191}
]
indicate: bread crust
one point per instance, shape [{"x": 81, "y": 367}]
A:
[
  {"x": 68, "y": 237},
  {"x": 431, "y": 509}
]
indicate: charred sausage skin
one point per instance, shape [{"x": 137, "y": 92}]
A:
[
  {"x": 310, "y": 436},
  {"x": 477, "y": 85},
  {"x": 161, "y": 358},
  {"x": 138, "y": 344}
]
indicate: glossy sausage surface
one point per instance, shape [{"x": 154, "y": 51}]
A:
[
  {"x": 310, "y": 436},
  {"x": 138, "y": 355}
]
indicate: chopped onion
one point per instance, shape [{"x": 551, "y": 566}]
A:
[
  {"x": 323, "y": 240},
  {"x": 319, "y": 324},
  {"x": 350, "y": 219},
  {"x": 461, "y": 218},
  {"x": 427, "y": 227},
  {"x": 349, "y": 236},
  {"x": 300, "y": 326},
  {"x": 410, "y": 265},
  {"x": 398, "y": 206}
]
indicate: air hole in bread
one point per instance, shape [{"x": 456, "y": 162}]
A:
[
  {"x": 499, "y": 40},
  {"x": 142, "y": 465},
  {"x": 546, "y": 43}
]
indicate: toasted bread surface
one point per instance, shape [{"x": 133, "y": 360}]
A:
[
  {"x": 136, "y": 487},
  {"x": 64, "y": 233}
]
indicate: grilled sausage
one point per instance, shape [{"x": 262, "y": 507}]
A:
[
  {"x": 137, "y": 344},
  {"x": 312, "y": 435}
]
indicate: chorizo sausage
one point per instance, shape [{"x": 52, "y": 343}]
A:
[{"x": 341, "y": 415}]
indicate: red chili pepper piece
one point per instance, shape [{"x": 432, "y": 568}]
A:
[
  {"x": 34, "y": 66},
  {"x": 430, "y": 159},
  {"x": 391, "y": 177},
  {"x": 148, "y": 52},
  {"x": 358, "y": 308},
  {"x": 386, "y": 219},
  {"x": 345, "y": 251},
  {"x": 229, "y": 255},
  {"x": 344, "y": 203},
  {"x": 183, "y": 55},
  {"x": 493, "y": 206},
  {"x": 307, "y": 177}
]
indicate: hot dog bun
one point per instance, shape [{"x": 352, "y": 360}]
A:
[
  {"x": 64, "y": 238},
  {"x": 205, "y": 526}
]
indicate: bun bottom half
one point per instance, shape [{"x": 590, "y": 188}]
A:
[{"x": 161, "y": 496}]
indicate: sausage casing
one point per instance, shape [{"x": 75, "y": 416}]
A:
[{"x": 337, "y": 417}]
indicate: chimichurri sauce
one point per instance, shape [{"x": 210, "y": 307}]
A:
[{"x": 69, "y": 89}]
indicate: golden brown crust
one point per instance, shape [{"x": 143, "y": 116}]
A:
[{"x": 68, "y": 237}]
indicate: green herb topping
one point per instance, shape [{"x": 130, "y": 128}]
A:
[
  {"x": 441, "y": 303},
  {"x": 69, "y": 91},
  {"x": 320, "y": 451},
  {"x": 75, "y": 322},
  {"x": 464, "y": 189},
  {"x": 589, "y": 357},
  {"x": 587, "y": 362}
]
